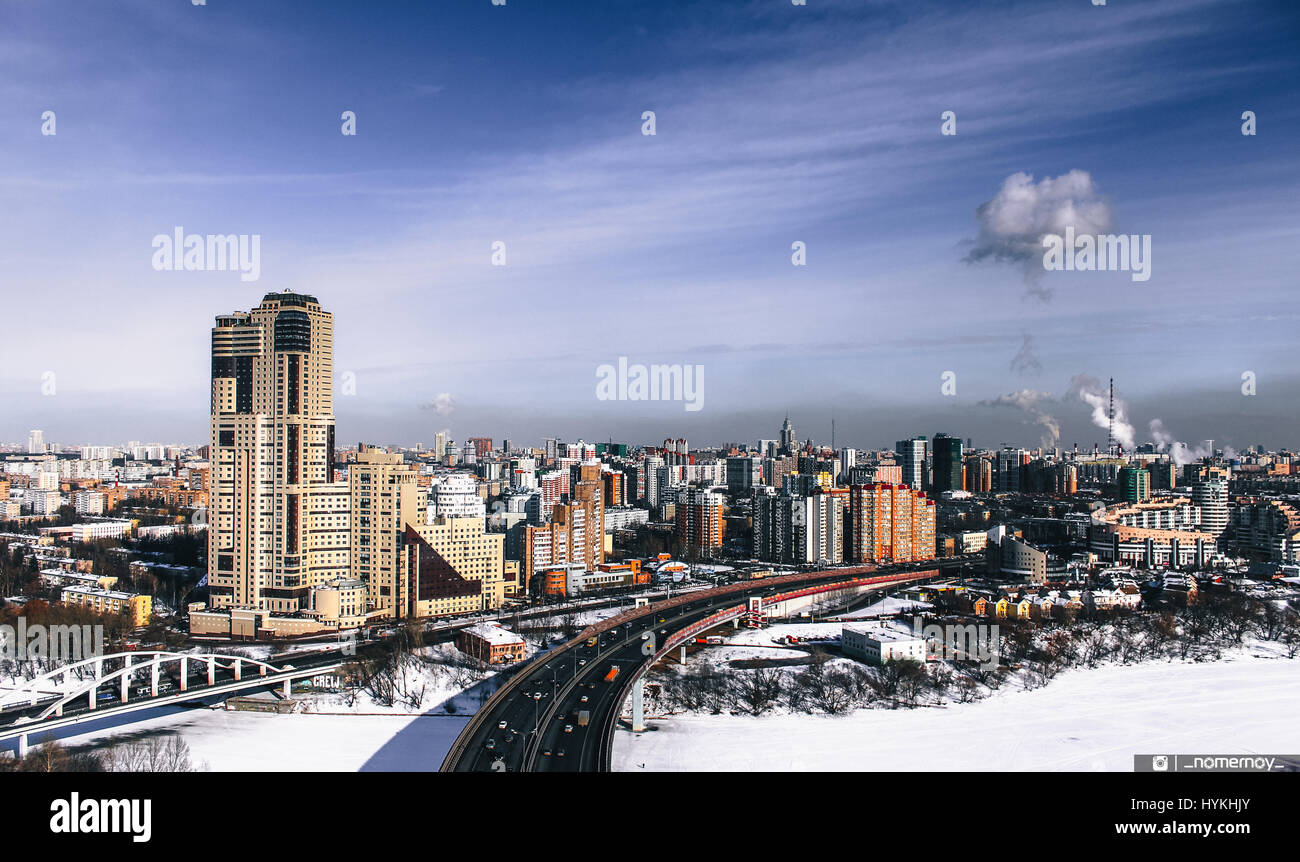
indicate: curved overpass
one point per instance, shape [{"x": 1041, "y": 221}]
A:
[{"x": 531, "y": 724}]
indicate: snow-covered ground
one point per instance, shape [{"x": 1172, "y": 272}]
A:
[
  {"x": 1083, "y": 720},
  {"x": 231, "y": 741},
  {"x": 886, "y": 607},
  {"x": 769, "y": 635}
]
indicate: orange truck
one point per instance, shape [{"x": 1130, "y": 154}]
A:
[{"x": 611, "y": 673}]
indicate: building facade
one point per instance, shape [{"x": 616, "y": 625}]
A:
[{"x": 277, "y": 522}]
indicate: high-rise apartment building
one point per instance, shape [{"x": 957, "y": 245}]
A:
[
  {"x": 795, "y": 528},
  {"x": 277, "y": 522},
  {"x": 1009, "y": 473},
  {"x": 35, "y": 442},
  {"x": 576, "y": 531},
  {"x": 947, "y": 464},
  {"x": 778, "y": 517},
  {"x": 699, "y": 518},
  {"x": 890, "y": 523},
  {"x": 979, "y": 474},
  {"x": 1134, "y": 484},
  {"x": 1211, "y": 497},
  {"x": 911, "y": 454},
  {"x": 385, "y": 499},
  {"x": 743, "y": 474},
  {"x": 455, "y": 495}
]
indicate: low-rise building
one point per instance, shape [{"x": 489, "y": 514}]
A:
[
  {"x": 340, "y": 604},
  {"x": 94, "y": 530},
  {"x": 490, "y": 643},
  {"x": 138, "y": 607},
  {"x": 877, "y": 644}
]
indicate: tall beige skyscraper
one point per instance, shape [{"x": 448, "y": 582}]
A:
[{"x": 278, "y": 523}]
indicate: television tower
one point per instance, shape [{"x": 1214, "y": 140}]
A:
[{"x": 1110, "y": 417}]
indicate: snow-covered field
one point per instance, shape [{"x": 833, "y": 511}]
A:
[
  {"x": 230, "y": 741},
  {"x": 1084, "y": 720}
]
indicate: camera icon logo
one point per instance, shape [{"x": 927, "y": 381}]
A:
[{"x": 1160, "y": 762}]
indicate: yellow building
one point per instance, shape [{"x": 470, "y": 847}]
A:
[
  {"x": 340, "y": 604},
  {"x": 453, "y": 567},
  {"x": 385, "y": 497},
  {"x": 139, "y": 608}
]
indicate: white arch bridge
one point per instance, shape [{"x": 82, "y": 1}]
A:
[{"x": 126, "y": 682}]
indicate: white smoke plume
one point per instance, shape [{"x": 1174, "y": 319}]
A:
[
  {"x": 1012, "y": 225},
  {"x": 1091, "y": 391},
  {"x": 1027, "y": 401},
  {"x": 443, "y": 404},
  {"x": 1180, "y": 453}
]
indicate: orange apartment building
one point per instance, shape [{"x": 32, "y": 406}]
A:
[{"x": 890, "y": 523}]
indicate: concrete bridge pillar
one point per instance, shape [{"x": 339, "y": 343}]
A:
[
  {"x": 288, "y": 688},
  {"x": 239, "y": 670},
  {"x": 22, "y": 746},
  {"x": 638, "y": 706},
  {"x": 94, "y": 696},
  {"x": 153, "y": 678},
  {"x": 125, "y": 680},
  {"x": 185, "y": 673},
  {"x": 212, "y": 671},
  {"x": 683, "y": 659}
]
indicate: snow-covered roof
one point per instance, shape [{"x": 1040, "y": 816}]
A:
[{"x": 494, "y": 634}]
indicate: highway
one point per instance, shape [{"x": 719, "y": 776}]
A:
[{"x": 531, "y": 724}]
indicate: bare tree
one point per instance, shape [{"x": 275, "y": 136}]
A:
[{"x": 759, "y": 690}]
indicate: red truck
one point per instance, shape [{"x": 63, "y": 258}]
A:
[{"x": 611, "y": 673}]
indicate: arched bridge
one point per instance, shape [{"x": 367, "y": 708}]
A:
[{"x": 130, "y": 681}]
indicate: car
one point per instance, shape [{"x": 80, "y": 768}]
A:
[
  {"x": 582, "y": 663},
  {"x": 490, "y": 745},
  {"x": 501, "y": 725},
  {"x": 546, "y": 753},
  {"x": 560, "y": 753},
  {"x": 537, "y": 695},
  {"x": 584, "y": 698},
  {"x": 663, "y": 631},
  {"x": 568, "y": 728}
]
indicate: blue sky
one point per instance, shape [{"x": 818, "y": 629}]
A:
[{"x": 775, "y": 123}]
